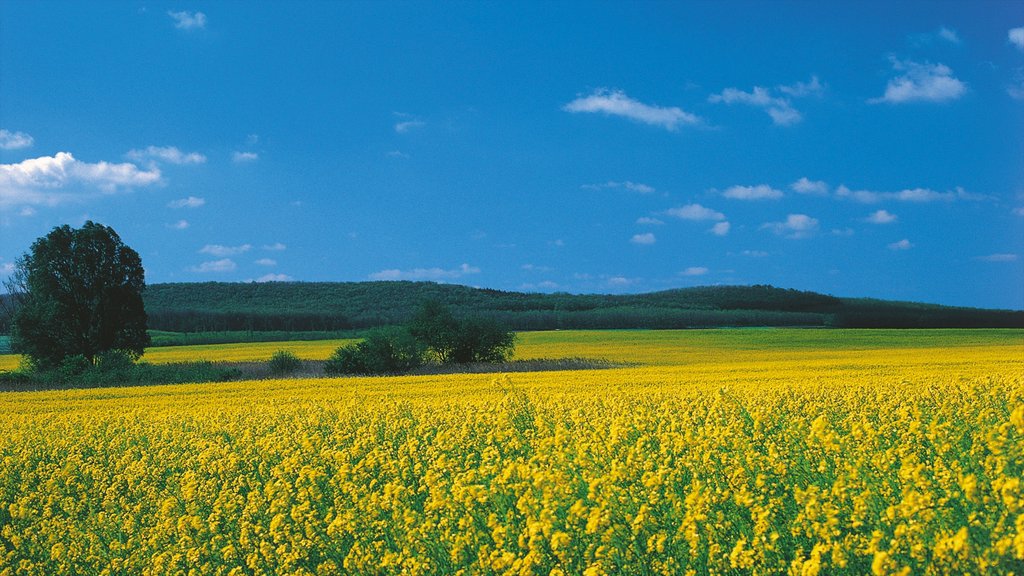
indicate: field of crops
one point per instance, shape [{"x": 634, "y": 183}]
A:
[{"x": 730, "y": 451}]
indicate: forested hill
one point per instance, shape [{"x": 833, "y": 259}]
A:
[{"x": 299, "y": 306}]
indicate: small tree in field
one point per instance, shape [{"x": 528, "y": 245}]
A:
[
  {"x": 460, "y": 341},
  {"x": 383, "y": 351},
  {"x": 78, "y": 292}
]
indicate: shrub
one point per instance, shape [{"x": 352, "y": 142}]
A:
[
  {"x": 284, "y": 362},
  {"x": 460, "y": 341},
  {"x": 383, "y": 351}
]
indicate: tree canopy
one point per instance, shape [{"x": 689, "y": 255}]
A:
[{"x": 78, "y": 292}]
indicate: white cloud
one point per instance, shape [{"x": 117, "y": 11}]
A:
[
  {"x": 805, "y": 186},
  {"x": 274, "y": 278},
  {"x": 397, "y": 154},
  {"x": 27, "y": 211},
  {"x": 646, "y": 221},
  {"x": 275, "y": 247},
  {"x": 544, "y": 285},
  {"x": 179, "y": 225},
  {"x": 1016, "y": 37},
  {"x": 616, "y": 103},
  {"x": 188, "y": 20},
  {"x": 45, "y": 180},
  {"x": 921, "y": 83},
  {"x": 643, "y": 239},
  {"x": 779, "y": 108},
  {"x": 882, "y": 217},
  {"x": 720, "y": 229},
  {"x": 695, "y": 212},
  {"x": 218, "y": 250},
  {"x": 7, "y": 268},
  {"x": 407, "y": 125},
  {"x": 430, "y": 274},
  {"x": 169, "y": 154},
  {"x": 901, "y": 245},
  {"x": 190, "y": 202},
  {"x": 949, "y": 35},
  {"x": 919, "y": 195},
  {"x": 999, "y": 258},
  {"x": 795, "y": 226},
  {"x": 224, "y": 265},
  {"x": 266, "y": 262},
  {"x": 843, "y": 232},
  {"x": 695, "y": 271},
  {"x": 755, "y": 253},
  {"x": 621, "y": 281},
  {"x": 759, "y": 192},
  {"x": 242, "y": 157},
  {"x": 631, "y": 186},
  {"x": 15, "y": 140}
]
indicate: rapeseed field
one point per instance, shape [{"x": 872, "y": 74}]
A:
[{"x": 726, "y": 452}]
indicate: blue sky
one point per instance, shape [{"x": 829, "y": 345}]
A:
[{"x": 858, "y": 149}]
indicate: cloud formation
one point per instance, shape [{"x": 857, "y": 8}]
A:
[
  {"x": 647, "y": 221},
  {"x": 881, "y": 217},
  {"x": 15, "y": 140},
  {"x": 188, "y": 20},
  {"x": 1016, "y": 37},
  {"x": 645, "y": 239},
  {"x": 190, "y": 202},
  {"x": 179, "y": 225},
  {"x": 920, "y": 195},
  {"x": 901, "y": 245},
  {"x": 274, "y": 278},
  {"x": 223, "y": 265},
  {"x": 999, "y": 258},
  {"x": 242, "y": 157},
  {"x": 778, "y": 107},
  {"x": 695, "y": 212},
  {"x": 407, "y": 125},
  {"x": 695, "y": 271},
  {"x": 628, "y": 185},
  {"x": 265, "y": 262},
  {"x": 759, "y": 192},
  {"x": 219, "y": 250},
  {"x": 921, "y": 83},
  {"x": 812, "y": 187},
  {"x": 795, "y": 226},
  {"x": 616, "y": 103},
  {"x": 721, "y": 229},
  {"x": 429, "y": 274},
  {"x": 52, "y": 180},
  {"x": 168, "y": 154}
]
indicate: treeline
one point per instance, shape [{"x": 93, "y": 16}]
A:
[{"x": 299, "y": 306}]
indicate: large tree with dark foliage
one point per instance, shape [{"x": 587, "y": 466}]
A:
[
  {"x": 461, "y": 340},
  {"x": 78, "y": 292}
]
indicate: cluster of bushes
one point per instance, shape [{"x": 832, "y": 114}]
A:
[
  {"x": 114, "y": 368},
  {"x": 434, "y": 335}
]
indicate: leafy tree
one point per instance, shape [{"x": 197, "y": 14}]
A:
[
  {"x": 460, "y": 341},
  {"x": 78, "y": 292},
  {"x": 383, "y": 351},
  {"x": 283, "y": 362}
]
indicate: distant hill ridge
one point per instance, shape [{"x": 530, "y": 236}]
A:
[{"x": 298, "y": 306}]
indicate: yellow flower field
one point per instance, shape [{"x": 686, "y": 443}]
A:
[{"x": 724, "y": 452}]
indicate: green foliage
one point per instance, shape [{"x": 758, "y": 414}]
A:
[
  {"x": 383, "y": 351},
  {"x": 114, "y": 368},
  {"x": 461, "y": 341},
  {"x": 78, "y": 292},
  {"x": 283, "y": 362}
]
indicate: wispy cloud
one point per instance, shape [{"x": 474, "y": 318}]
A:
[
  {"x": 243, "y": 157},
  {"x": 721, "y": 229},
  {"x": 188, "y": 20},
  {"x": 948, "y": 34},
  {"x": 274, "y": 278},
  {"x": 795, "y": 226},
  {"x": 812, "y": 187},
  {"x": 1016, "y": 37},
  {"x": 645, "y": 239},
  {"x": 430, "y": 274},
  {"x": 778, "y": 106},
  {"x": 219, "y": 250},
  {"x": 921, "y": 82},
  {"x": 52, "y": 180},
  {"x": 190, "y": 202},
  {"x": 695, "y": 271},
  {"x": 901, "y": 245},
  {"x": 224, "y": 265},
  {"x": 179, "y": 225},
  {"x": 168, "y": 154},
  {"x": 627, "y": 185},
  {"x": 999, "y": 258},
  {"x": 275, "y": 247},
  {"x": 754, "y": 253},
  {"x": 920, "y": 195},
  {"x": 648, "y": 221},
  {"x": 759, "y": 192},
  {"x": 265, "y": 262},
  {"x": 616, "y": 103},
  {"x": 408, "y": 125},
  {"x": 881, "y": 217},
  {"x": 15, "y": 140},
  {"x": 695, "y": 212}
]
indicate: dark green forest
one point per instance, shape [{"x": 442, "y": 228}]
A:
[
  {"x": 301, "y": 306},
  {"x": 323, "y": 309}
]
